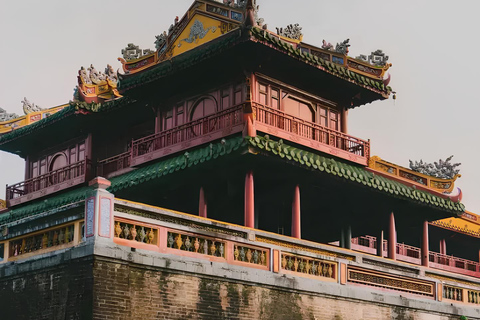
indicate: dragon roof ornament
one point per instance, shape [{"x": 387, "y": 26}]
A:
[
  {"x": 292, "y": 31},
  {"x": 342, "y": 47},
  {"x": 29, "y": 107},
  {"x": 441, "y": 169},
  {"x": 4, "y": 116}
]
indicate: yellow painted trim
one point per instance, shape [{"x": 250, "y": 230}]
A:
[
  {"x": 376, "y": 163},
  {"x": 459, "y": 225},
  {"x": 6, "y": 126}
]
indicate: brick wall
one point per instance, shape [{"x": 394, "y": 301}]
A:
[
  {"x": 124, "y": 290},
  {"x": 60, "y": 292}
]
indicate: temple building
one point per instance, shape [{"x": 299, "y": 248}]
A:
[{"x": 215, "y": 177}]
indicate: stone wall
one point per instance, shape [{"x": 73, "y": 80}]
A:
[
  {"x": 126, "y": 290},
  {"x": 61, "y": 291}
]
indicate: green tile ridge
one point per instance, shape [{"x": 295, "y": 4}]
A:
[
  {"x": 29, "y": 128},
  {"x": 334, "y": 68},
  {"x": 43, "y": 205},
  {"x": 67, "y": 111},
  {"x": 182, "y": 61},
  {"x": 353, "y": 173},
  {"x": 176, "y": 163}
]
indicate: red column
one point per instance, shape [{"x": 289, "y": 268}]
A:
[
  {"x": 296, "y": 228},
  {"x": 344, "y": 120},
  {"x": 425, "y": 253},
  {"x": 392, "y": 239},
  {"x": 202, "y": 204},
  {"x": 443, "y": 246},
  {"x": 380, "y": 244},
  {"x": 249, "y": 201}
]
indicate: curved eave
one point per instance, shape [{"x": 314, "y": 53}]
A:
[
  {"x": 182, "y": 61},
  {"x": 20, "y": 140},
  {"x": 339, "y": 71},
  {"x": 354, "y": 174}
]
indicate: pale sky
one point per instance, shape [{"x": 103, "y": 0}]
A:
[{"x": 431, "y": 44}]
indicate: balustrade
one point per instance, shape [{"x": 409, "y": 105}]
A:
[
  {"x": 224, "y": 119},
  {"x": 48, "y": 239},
  {"x": 50, "y": 179},
  {"x": 473, "y": 296},
  {"x": 136, "y": 232},
  {"x": 113, "y": 164},
  {"x": 309, "y": 266},
  {"x": 311, "y": 131},
  {"x": 250, "y": 255},
  {"x": 452, "y": 293},
  {"x": 197, "y": 244}
]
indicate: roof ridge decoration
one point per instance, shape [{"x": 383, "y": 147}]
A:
[
  {"x": 29, "y": 107},
  {"x": 442, "y": 169},
  {"x": 331, "y": 61},
  {"x": 292, "y": 31},
  {"x": 437, "y": 184},
  {"x": 203, "y": 17},
  {"x": 96, "y": 86},
  {"x": 5, "y": 116},
  {"x": 133, "y": 52}
]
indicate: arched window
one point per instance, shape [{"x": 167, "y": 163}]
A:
[
  {"x": 204, "y": 107},
  {"x": 58, "y": 161}
]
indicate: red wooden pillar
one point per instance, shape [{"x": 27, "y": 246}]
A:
[
  {"x": 392, "y": 239},
  {"x": 425, "y": 252},
  {"x": 380, "y": 244},
  {"x": 443, "y": 247},
  {"x": 296, "y": 227},
  {"x": 344, "y": 120},
  {"x": 249, "y": 201},
  {"x": 202, "y": 204}
]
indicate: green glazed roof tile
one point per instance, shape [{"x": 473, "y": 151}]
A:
[
  {"x": 40, "y": 206},
  {"x": 356, "y": 174}
]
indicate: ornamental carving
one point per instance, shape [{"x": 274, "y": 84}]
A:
[
  {"x": 29, "y": 107},
  {"x": 96, "y": 76},
  {"x": 4, "y": 116},
  {"x": 376, "y": 58},
  {"x": 111, "y": 74},
  {"x": 197, "y": 31},
  {"x": 132, "y": 52},
  {"x": 161, "y": 41},
  {"x": 292, "y": 31},
  {"x": 442, "y": 169},
  {"x": 326, "y": 45},
  {"x": 342, "y": 47}
]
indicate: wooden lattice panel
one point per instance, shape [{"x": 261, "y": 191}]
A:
[{"x": 388, "y": 281}]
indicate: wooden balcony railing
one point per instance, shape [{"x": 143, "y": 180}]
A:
[
  {"x": 47, "y": 183},
  {"x": 337, "y": 143},
  {"x": 230, "y": 121},
  {"x": 114, "y": 164},
  {"x": 193, "y": 133},
  {"x": 413, "y": 255},
  {"x": 454, "y": 262}
]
